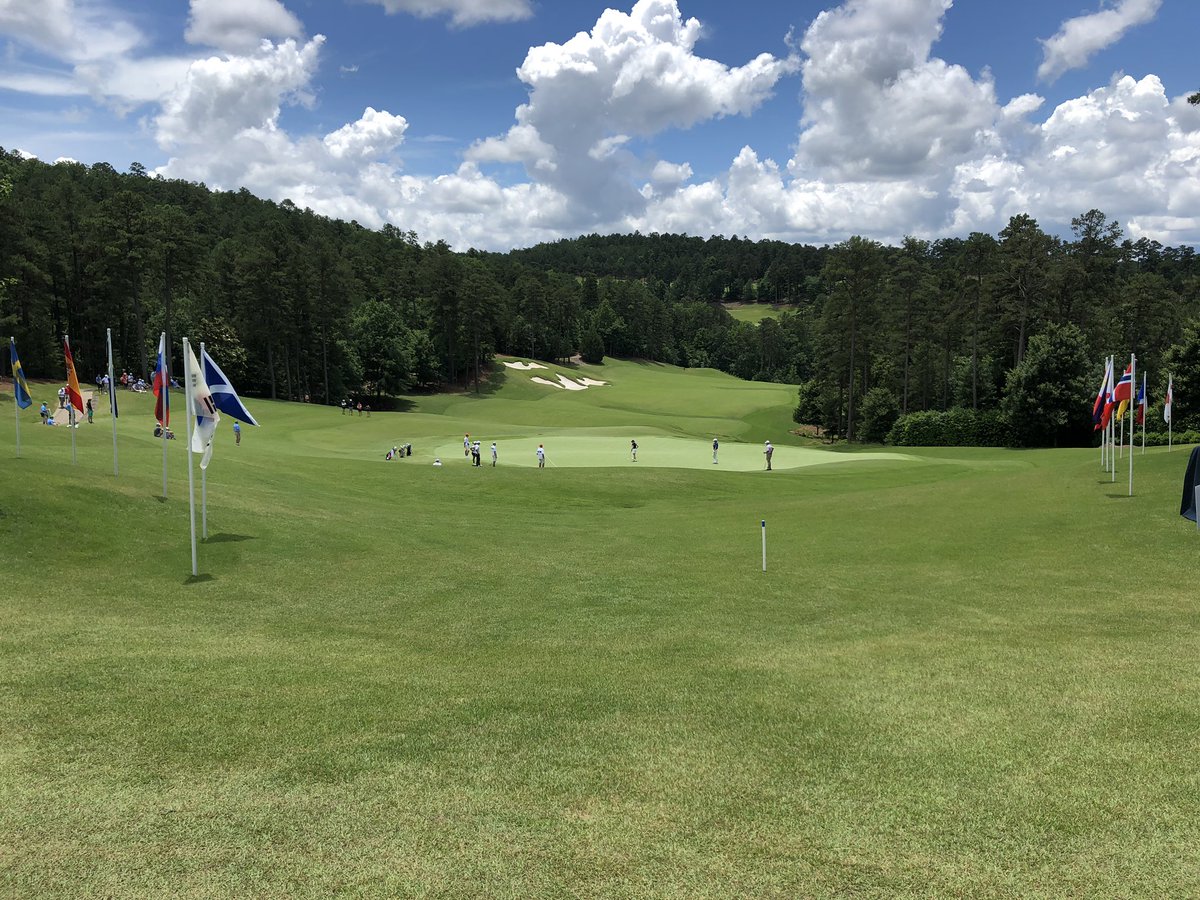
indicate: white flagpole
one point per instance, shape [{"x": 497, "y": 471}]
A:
[
  {"x": 1171, "y": 421},
  {"x": 203, "y": 479},
  {"x": 112, "y": 405},
  {"x": 1143, "y": 408},
  {"x": 187, "y": 387},
  {"x": 1132, "y": 382},
  {"x": 16, "y": 408},
  {"x": 166, "y": 403},
  {"x": 764, "y": 542},
  {"x": 71, "y": 414}
]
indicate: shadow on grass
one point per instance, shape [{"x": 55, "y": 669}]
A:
[
  {"x": 228, "y": 538},
  {"x": 198, "y": 579},
  {"x": 1124, "y": 496}
]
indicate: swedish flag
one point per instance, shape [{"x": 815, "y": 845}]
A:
[{"x": 19, "y": 384}]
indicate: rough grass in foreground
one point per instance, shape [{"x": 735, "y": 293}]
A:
[{"x": 966, "y": 672}]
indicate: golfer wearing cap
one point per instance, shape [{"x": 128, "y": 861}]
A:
[{"x": 768, "y": 452}]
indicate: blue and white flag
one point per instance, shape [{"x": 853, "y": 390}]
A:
[{"x": 224, "y": 397}]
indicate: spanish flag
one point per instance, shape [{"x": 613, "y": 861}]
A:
[{"x": 73, "y": 393}]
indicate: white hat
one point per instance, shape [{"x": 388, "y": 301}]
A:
[{"x": 766, "y": 442}]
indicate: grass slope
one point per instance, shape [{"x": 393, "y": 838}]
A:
[
  {"x": 965, "y": 672},
  {"x": 756, "y": 312}
]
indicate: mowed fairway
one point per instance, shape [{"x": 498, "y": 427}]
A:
[{"x": 965, "y": 672}]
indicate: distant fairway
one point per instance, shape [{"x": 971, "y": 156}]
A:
[
  {"x": 756, "y": 312},
  {"x": 965, "y": 673}
]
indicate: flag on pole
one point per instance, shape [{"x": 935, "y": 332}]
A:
[
  {"x": 20, "y": 386},
  {"x": 1141, "y": 408},
  {"x": 112, "y": 394},
  {"x": 1169, "y": 398},
  {"x": 1123, "y": 392},
  {"x": 223, "y": 395},
  {"x": 1110, "y": 403},
  {"x": 162, "y": 385},
  {"x": 203, "y": 407},
  {"x": 73, "y": 392},
  {"x": 1102, "y": 397}
]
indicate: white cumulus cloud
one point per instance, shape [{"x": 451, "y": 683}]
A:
[
  {"x": 462, "y": 12},
  {"x": 239, "y": 25},
  {"x": 633, "y": 75},
  {"x": 1078, "y": 39}
]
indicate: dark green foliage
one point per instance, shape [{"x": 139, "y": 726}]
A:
[
  {"x": 878, "y": 413},
  {"x": 953, "y": 428},
  {"x": 591, "y": 347},
  {"x": 1183, "y": 362},
  {"x": 1047, "y": 397}
]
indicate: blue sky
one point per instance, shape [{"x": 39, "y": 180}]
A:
[{"x": 488, "y": 123}]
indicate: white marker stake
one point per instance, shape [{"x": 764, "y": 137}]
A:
[{"x": 764, "y": 532}]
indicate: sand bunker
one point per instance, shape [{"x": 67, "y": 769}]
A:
[
  {"x": 566, "y": 383},
  {"x": 524, "y": 366}
]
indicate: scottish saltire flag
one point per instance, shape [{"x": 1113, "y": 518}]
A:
[
  {"x": 162, "y": 385},
  {"x": 1102, "y": 396},
  {"x": 223, "y": 394},
  {"x": 20, "y": 386},
  {"x": 73, "y": 392},
  {"x": 205, "y": 410},
  {"x": 1169, "y": 398},
  {"x": 1141, "y": 408}
]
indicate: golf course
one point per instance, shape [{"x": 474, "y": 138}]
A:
[{"x": 964, "y": 672}]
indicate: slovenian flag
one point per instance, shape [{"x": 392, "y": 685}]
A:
[
  {"x": 162, "y": 385},
  {"x": 73, "y": 392},
  {"x": 223, "y": 395},
  {"x": 20, "y": 386}
]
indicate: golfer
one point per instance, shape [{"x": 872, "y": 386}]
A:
[
  {"x": 494, "y": 454},
  {"x": 768, "y": 453},
  {"x": 714, "y": 451},
  {"x": 541, "y": 455},
  {"x": 633, "y": 450}
]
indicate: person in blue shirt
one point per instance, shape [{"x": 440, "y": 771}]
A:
[{"x": 237, "y": 433}]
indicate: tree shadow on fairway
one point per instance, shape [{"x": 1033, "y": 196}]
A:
[
  {"x": 198, "y": 579},
  {"x": 228, "y": 538}
]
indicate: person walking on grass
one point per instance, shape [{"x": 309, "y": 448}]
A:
[
  {"x": 633, "y": 450},
  {"x": 715, "y": 451},
  {"x": 237, "y": 433},
  {"x": 768, "y": 453},
  {"x": 494, "y": 454},
  {"x": 541, "y": 455},
  {"x": 90, "y": 411},
  {"x": 467, "y": 444}
]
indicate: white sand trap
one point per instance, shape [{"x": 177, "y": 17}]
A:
[
  {"x": 524, "y": 366},
  {"x": 591, "y": 383},
  {"x": 571, "y": 385},
  {"x": 536, "y": 379}
]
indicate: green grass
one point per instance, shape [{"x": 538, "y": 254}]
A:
[
  {"x": 966, "y": 672},
  {"x": 756, "y": 312}
]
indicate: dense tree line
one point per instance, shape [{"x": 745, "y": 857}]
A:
[{"x": 297, "y": 304}]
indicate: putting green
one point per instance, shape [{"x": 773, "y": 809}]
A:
[{"x": 600, "y": 451}]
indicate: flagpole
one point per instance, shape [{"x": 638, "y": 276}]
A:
[
  {"x": 187, "y": 387},
  {"x": 1171, "y": 400},
  {"x": 1132, "y": 382},
  {"x": 16, "y": 406},
  {"x": 1143, "y": 407},
  {"x": 71, "y": 413},
  {"x": 166, "y": 403},
  {"x": 203, "y": 479},
  {"x": 112, "y": 404}
]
